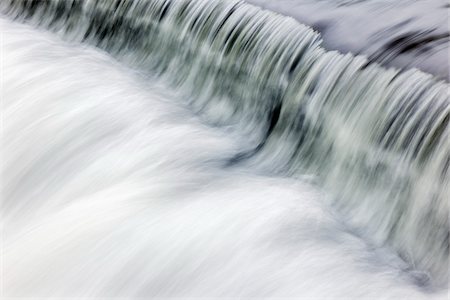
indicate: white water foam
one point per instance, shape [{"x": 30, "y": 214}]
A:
[
  {"x": 111, "y": 188},
  {"x": 376, "y": 139}
]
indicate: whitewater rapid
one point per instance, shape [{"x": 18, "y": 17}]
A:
[
  {"x": 112, "y": 187},
  {"x": 179, "y": 148}
]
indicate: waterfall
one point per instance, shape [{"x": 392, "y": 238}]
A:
[{"x": 378, "y": 139}]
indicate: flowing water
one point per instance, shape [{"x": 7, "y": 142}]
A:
[
  {"x": 209, "y": 148},
  {"x": 403, "y": 33}
]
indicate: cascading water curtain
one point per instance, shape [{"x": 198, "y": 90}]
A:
[{"x": 377, "y": 139}]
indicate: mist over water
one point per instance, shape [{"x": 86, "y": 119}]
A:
[{"x": 211, "y": 149}]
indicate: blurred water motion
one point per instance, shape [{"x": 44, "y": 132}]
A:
[
  {"x": 403, "y": 34},
  {"x": 162, "y": 148}
]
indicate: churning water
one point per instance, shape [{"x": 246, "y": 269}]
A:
[{"x": 209, "y": 148}]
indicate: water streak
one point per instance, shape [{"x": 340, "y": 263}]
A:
[{"x": 377, "y": 138}]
